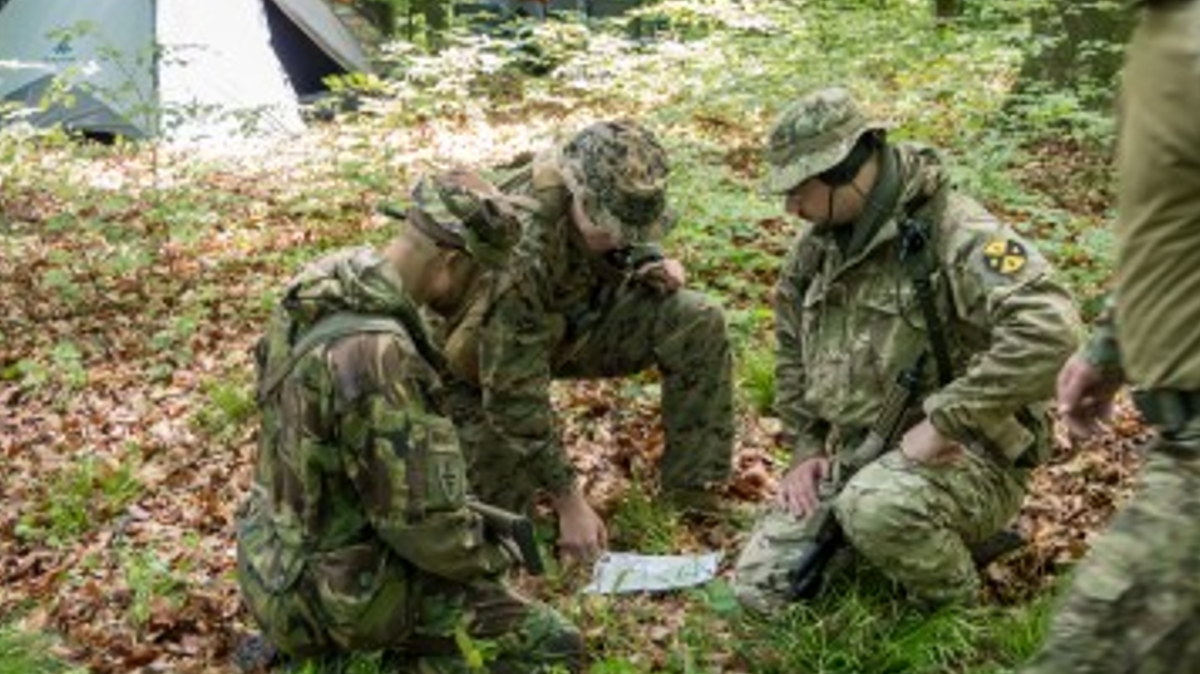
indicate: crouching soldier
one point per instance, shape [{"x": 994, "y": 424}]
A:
[
  {"x": 357, "y": 534},
  {"x": 918, "y": 342}
]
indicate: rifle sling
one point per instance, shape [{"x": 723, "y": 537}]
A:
[{"x": 915, "y": 255}]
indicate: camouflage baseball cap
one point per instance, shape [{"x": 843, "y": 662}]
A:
[
  {"x": 461, "y": 209},
  {"x": 813, "y": 135},
  {"x": 620, "y": 170}
]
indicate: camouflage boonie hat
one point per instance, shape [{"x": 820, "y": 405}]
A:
[
  {"x": 620, "y": 171},
  {"x": 460, "y": 209},
  {"x": 813, "y": 135}
]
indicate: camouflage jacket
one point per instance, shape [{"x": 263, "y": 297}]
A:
[
  {"x": 541, "y": 309},
  {"x": 355, "y": 463},
  {"x": 848, "y": 321}
]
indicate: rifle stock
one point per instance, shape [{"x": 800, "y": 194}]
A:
[
  {"x": 514, "y": 527},
  {"x": 824, "y": 536}
]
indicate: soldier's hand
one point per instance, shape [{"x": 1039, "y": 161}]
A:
[
  {"x": 1085, "y": 396},
  {"x": 799, "y": 489},
  {"x": 665, "y": 276},
  {"x": 582, "y": 535},
  {"x": 924, "y": 443}
]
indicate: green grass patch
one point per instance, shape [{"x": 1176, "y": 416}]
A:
[
  {"x": 30, "y": 653},
  {"x": 227, "y": 407},
  {"x": 645, "y": 523},
  {"x": 152, "y": 581},
  {"x": 81, "y": 497},
  {"x": 860, "y": 623}
]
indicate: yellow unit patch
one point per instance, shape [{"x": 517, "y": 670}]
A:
[{"x": 1004, "y": 256}]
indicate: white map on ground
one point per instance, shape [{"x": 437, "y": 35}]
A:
[{"x": 618, "y": 572}]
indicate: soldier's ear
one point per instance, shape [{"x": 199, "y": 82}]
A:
[{"x": 459, "y": 263}]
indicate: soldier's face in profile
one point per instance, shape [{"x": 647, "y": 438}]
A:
[
  {"x": 821, "y": 204},
  {"x": 450, "y": 275},
  {"x": 810, "y": 200},
  {"x": 597, "y": 239}
]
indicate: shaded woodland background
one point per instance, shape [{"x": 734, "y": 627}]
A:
[{"x": 135, "y": 279}]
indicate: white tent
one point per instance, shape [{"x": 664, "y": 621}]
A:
[{"x": 188, "y": 70}]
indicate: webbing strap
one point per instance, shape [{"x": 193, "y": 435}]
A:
[
  {"x": 336, "y": 326},
  {"x": 919, "y": 264}
]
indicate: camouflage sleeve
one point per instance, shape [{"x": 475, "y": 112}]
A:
[
  {"x": 803, "y": 431},
  {"x": 515, "y": 374},
  {"x": 1006, "y": 293},
  {"x": 404, "y": 460}
]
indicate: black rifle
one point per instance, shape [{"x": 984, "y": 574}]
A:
[
  {"x": 507, "y": 525},
  {"x": 826, "y": 536}
]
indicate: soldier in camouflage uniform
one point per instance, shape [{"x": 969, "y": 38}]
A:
[
  {"x": 848, "y": 320},
  {"x": 356, "y": 534},
  {"x": 1134, "y": 604},
  {"x": 588, "y": 293}
]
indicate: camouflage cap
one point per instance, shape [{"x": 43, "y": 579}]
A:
[
  {"x": 461, "y": 209},
  {"x": 813, "y": 135},
  {"x": 620, "y": 170}
]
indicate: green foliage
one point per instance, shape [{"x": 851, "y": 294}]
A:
[
  {"x": 645, "y": 523},
  {"x": 756, "y": 378},
  {"x": 82, "y": 496},
  {"x": 152, "y": 581},
  {"x": 365, "y": 663},
  {"x": 28, "y": 653},
  {"x": 228, "y": 407},
  {"x": 860, "y": 624},
  {"x": 709, "y": 83},
  {"x": 1042, "y": 112},
  {"x": 476, "y": 653},
  {"x": 614, "y": 666}
]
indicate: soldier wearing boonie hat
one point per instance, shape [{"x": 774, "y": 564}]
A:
[
  {"x": 812, "y": 136},
  {"x": 360, "y": 497},
  {"x": 589, "y": 293},
  {"x": 461, "y": 209},
  {"x": 619, "y": 171},
  {"x": 1133, "y": 606},
  {"x": 884, "y": 230}
]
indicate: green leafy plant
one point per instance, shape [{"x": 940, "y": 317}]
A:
[
  {"x": 645, "y": 523},
  {"x": 756, "y": 378},
  {"x": 228, "y": 406},
  {"x": 150, "y": 579},
  {"x": 30, "y": 653},
  {"x": 82, "y": 496}
]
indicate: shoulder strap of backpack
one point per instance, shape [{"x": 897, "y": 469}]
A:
[{"x": 343, "y": 324}]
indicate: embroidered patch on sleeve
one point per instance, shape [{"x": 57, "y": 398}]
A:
[{"x": 1004, "y": 256}]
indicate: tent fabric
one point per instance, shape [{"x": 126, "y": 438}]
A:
[
  {"x": 187, "y": 70},
  {"x": 319, "y": 22},
  {"x": 306, "y": 66},
  {"x": 218, "y": 73},
  {"x": 87, "y": 112},
  {"x": 48, "y": 38}
]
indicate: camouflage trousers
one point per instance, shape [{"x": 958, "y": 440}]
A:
[
  {"x": 915, "y": 523},
  {"x": 1134, "y": 604},
  {"x": 429, "y": 623},
  {"x": 682, "y": 334}
]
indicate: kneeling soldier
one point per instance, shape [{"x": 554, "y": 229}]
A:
[{"x": 357, "y": 533}]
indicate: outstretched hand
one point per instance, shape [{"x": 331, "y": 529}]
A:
[
  {"x": 1085, "y": 396},
  {"x": 582, "y": 535}
]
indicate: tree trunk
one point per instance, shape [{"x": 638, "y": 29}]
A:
[
  {"x": 1081, "y": 44},
  {"x": 944, "y": 10}
]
